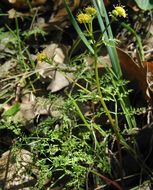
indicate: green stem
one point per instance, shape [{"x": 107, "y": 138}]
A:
[
  {"x": 80, "y": 113},
  {"x": 124, "y": 101},
  {"x": 138, "y": 39},
  {"x": 90, "y": 127},
  {"x": 113, "y": 124},
  {"x": 99, "y": 90}
]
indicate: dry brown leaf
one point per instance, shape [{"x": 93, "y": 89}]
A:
[
  {"x": 59, "y": 11},
  {"x": 53, "y": 72},
  {"x": 7, "y": 67},
  {"x": 149, "y": 75},
  {"x": 31, "y": 108},
  {"x": 133, "y": 72},
  {"x": 56, "y": 55},
  {"x": 14, "y": 168},
  {"x": 45, "y": 70},
  {"x": 58, "y": 82},
  {"x": 53, "y": 51}
]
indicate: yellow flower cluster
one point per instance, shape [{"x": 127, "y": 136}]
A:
[
  {"x": 87, "y": 16},
  {"x": 41, "y": 56},
  {"x": 119, "y": 11},
  {"x": 90, "y": 11},
  {"x": 84, "y": 18}
]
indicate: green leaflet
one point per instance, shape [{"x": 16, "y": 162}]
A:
[{"x": 12, "y": 110}]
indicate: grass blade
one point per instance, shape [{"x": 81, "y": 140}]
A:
[{"x": 77, "y": 28}]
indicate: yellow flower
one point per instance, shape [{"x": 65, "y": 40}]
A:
[
  {"x": 119, "y": 11},
  {"x": 41, "y": 56},
  {"x": 90, "y": 10},
  {"x": 84, "y": 18},
  {"x": 115, "y": 13}
]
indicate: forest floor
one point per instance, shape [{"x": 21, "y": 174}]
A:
[{"x": 63, "y": 125}]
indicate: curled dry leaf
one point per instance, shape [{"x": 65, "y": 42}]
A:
[
  {"x": 59, "y": 11},
  {"x": 58, "y": 83},
  {"x": 56, "y": 56},
  {"x": 14, "y": 170},
  {"x": 45, "y": 70},
  {"x": 32, "y": 108},
  {"x": 56, "y": 71},
  {"x": 7, "y": 67},
  {"x": 25, "y": 114},
  {"x": 60, "y": 14},
  {"x": 54, "y": 52},
  {"x": 132, "y": 72}
]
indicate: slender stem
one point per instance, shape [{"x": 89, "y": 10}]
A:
[
  {"x": 98, "y": 86},
  {"x": 90, "y": 127},
  {"x": 113, "y": 54},
  {"x": 80, "y": 113},
  {"x": 113, "y": 124},
  {"x": 107, "y": 180},
  {"x": 138, "y": 39}
]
